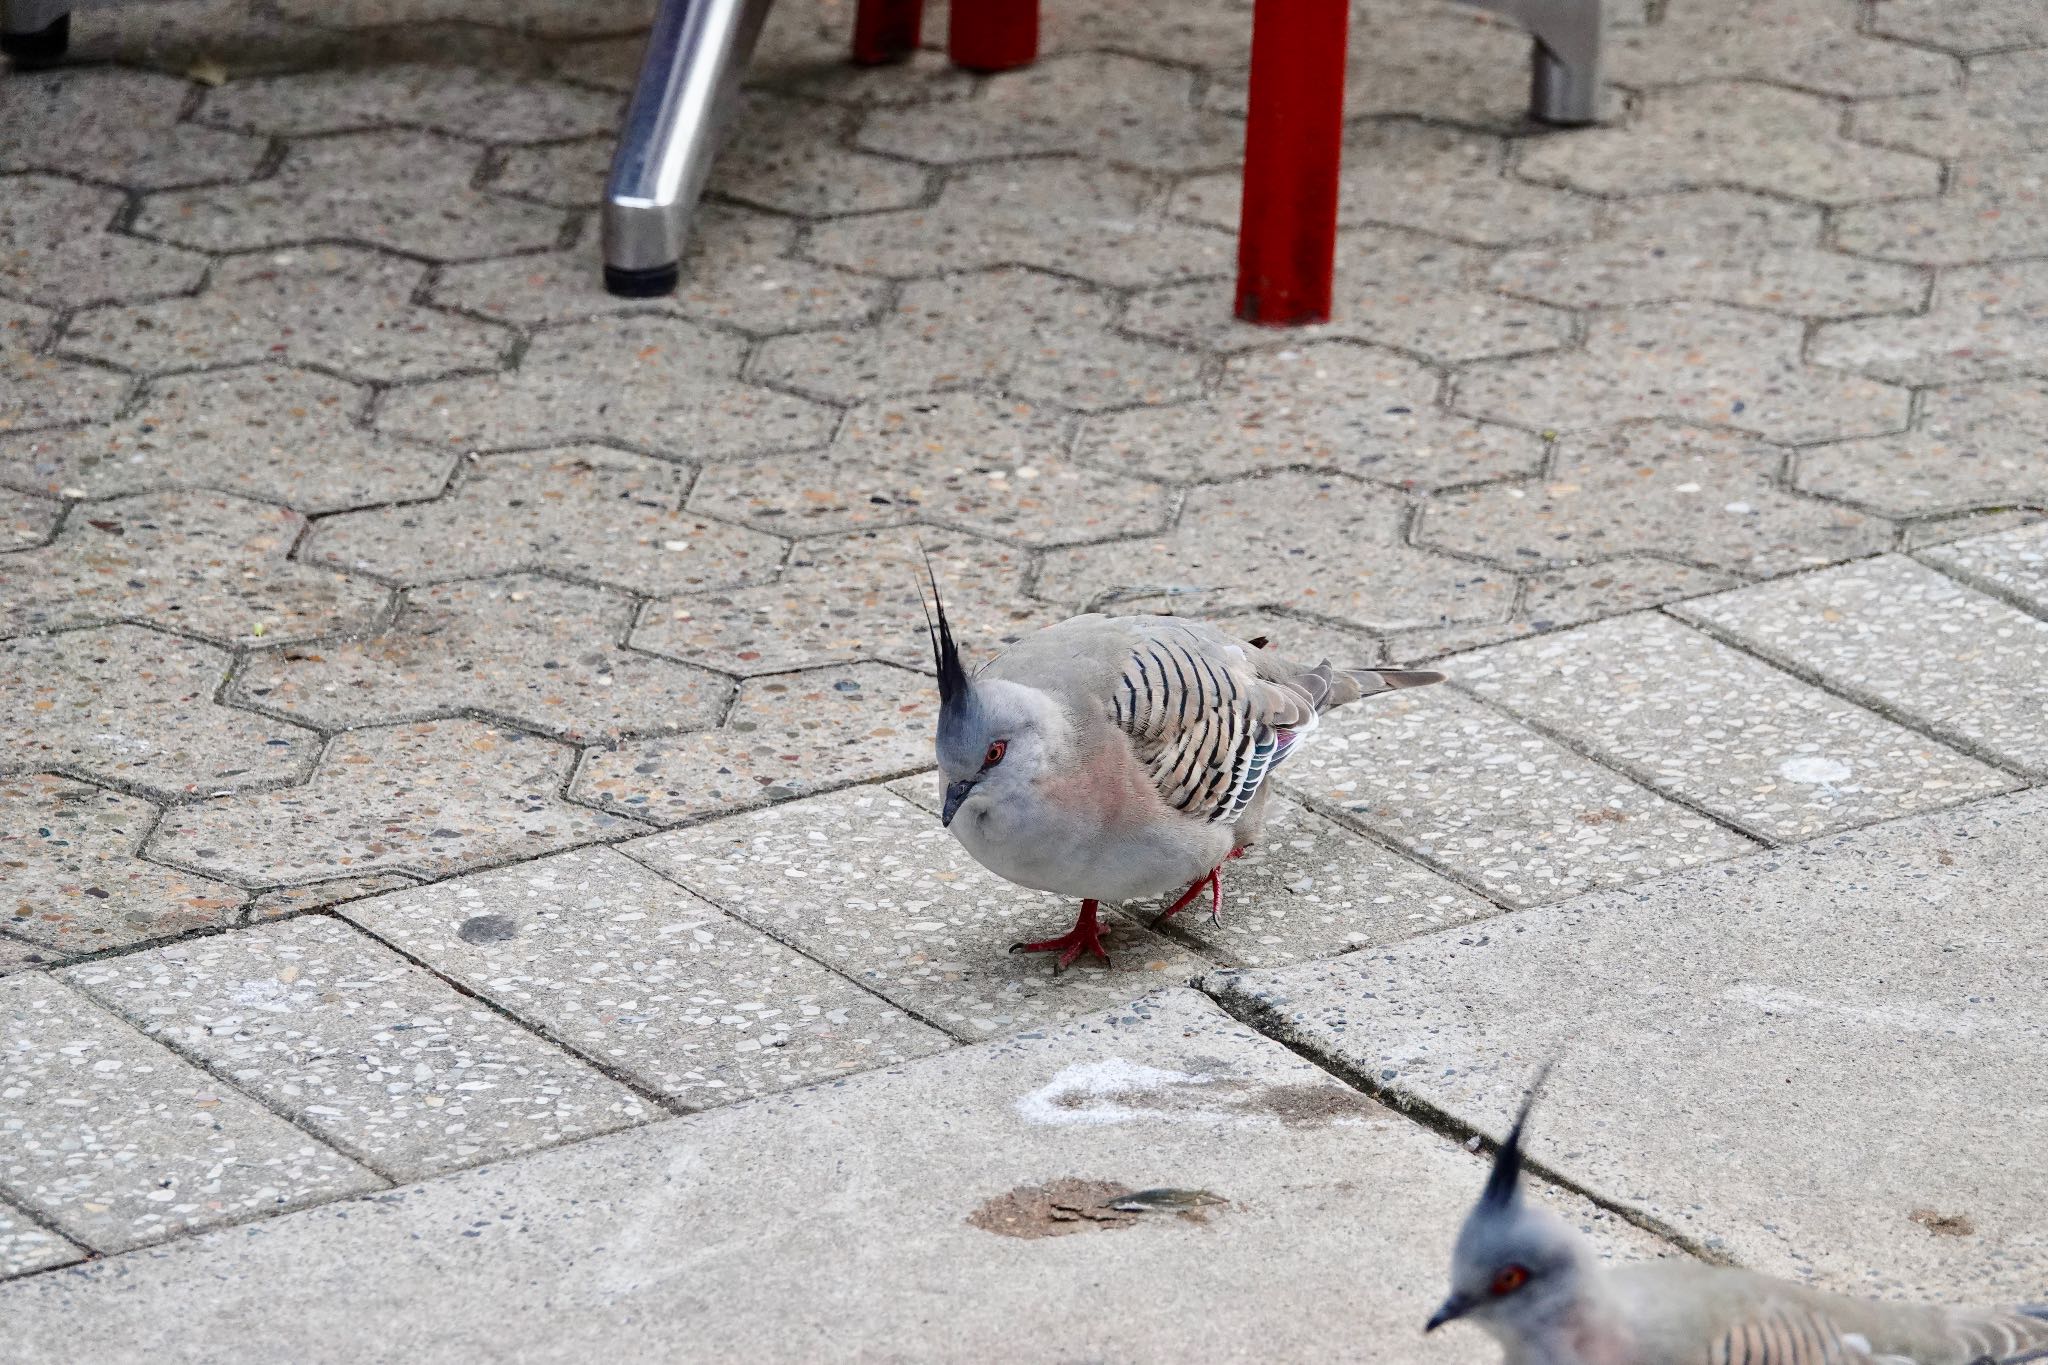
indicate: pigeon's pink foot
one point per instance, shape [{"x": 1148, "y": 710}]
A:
[
  {"x": 1084, "y": 937},
  {"x": 1214, "y": 881}
]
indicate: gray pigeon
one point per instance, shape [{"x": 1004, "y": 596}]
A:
[
  {"x": 1114, "y": 758},
  {"x": 1530, "y": 1280}
]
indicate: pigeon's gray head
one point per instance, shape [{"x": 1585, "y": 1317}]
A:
[
  {"x": 994, "y": 735},
  {"x": 1517, "y": 1269}
]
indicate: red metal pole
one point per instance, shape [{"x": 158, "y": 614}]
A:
[
  {"x": 1293, "y": 143},
  {"x": 993, "y": 35},
  {"x": 886, "y": 31}
]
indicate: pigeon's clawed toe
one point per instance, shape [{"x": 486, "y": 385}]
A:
[{"x": 1084, "y": 937}]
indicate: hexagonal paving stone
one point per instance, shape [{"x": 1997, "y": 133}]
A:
[
  {"x": 1398, "y": 289},
  {"x": 1693, "y": 362},
  {"x": 1963, "y": 26},
  {"x": 1741, "y": 135},
  {"x": 286, "y": 901},
  {"x": 1713, "y": 245},
  {"x": 69, "y": 877},
  {"x": 134, "y": 707},
  {"x": 1708, "y": 496},
  {"x": 2013, "y": 564},
  {"x": 1978, "y": 446},
  {"x": 407, "y": 190},
  {"x": 1425, "y": 177},
  {"x": 534, "y": 650},
  {"x": 1035, "y": 334},
  {"x": 426, "y": 799},
  {"x": 583, "y": 512},
  {"x": 287, "y": 435},
  {"x": 1115, "y": 108},
  {"x": 1990, "y": 212},
  {"x": 849, "y": 598},
  {"x": 1557, "y": 598},
  {"x": 1319, "y": 544},
  {"x": 199, "y": 563},
  {"x": 1999, "y": 115},
  {"x": 637, "y": 973},
  {"x": 38, "y": 391},
  {"x": 1184, "y": 32},
  {"x": 667, "y": 384},
  {"x": 1809, "y": 43},
  {"x": 803, "y": 49},
  {"x": 459, "y": 100},
  {"x": 1005, "y": 478},
  {"x": 119, "y": 126},
  {"x": 788, "y": 735},
  {"x": 56, "y": 247},
  {"x": 1985, "y": 323},
  {"x": 1079, "y": 217},
  {"x": 569, "y": 175},
  {"x": 792, "y": 156},
  {"x": 736, "y": 270},
  {"x": 1366, "y": 412},
  {"x": 26, "y": 521},
  {"x": 345, "y": 309}
]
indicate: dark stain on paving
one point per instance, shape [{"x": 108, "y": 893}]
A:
[
  {"x": 1313, "y": 1103},
  {"x": 1060, "y": 1208},
  {"x": 1944, "y": 1224},
  {"x": 487, "y": 929}
]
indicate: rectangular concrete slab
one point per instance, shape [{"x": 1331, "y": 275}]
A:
[
  {"x": 1518, "y": 815},
  {"x": 394, "y": 1067},
  {"x": 1822, "y": 1062},
  {"x": 25, "y": 1245},
  {"x": 119, "y": 1142},
  {"x": 1705, "y": 723},
  {"x": 593, "y": 949},
  {"x": 1887, "y": 631},
  {"x": 872, "y": 1219},
  {"x": 2012, "y": 564}
]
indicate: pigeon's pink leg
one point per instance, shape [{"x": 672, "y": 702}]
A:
[
  {"x": 1214, "y": 881},
  {"x": 1085, "y": 936}
]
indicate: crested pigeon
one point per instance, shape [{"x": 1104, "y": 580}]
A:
[
  {"x": 1521, "y": 1273},
  {"x": 1114, "y": 758}
]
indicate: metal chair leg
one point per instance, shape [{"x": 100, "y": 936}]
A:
[
  {"x": 35, "y": 32},
  {"x": 992, "y": 35},
  {"x": 1293, "y": 147},
  {"x": 688, "y": 90},
  {"x": 1565, "y": 82},
  {"x": 886, "y": 31}
]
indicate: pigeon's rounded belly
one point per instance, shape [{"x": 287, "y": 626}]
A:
[{"x": 1107, "y": 869}]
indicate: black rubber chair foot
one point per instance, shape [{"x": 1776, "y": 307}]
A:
[
  {"x": 651, "y": 283},
  {"x": 44, "y": 47}
]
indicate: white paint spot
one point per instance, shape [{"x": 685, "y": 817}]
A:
[
  {"x": 1815, "y": 770},
  {"x": 1062, "y": 1101}
]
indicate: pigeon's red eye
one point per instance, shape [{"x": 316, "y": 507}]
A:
[
  {"x": 995, "y": 753},
  {"x": 1509, "y": 1280}
]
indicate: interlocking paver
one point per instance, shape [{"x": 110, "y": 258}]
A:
[
  {"x": 1985, "y": 323},
  {"x": 553, "y": 17},
  {"x": 1324, "y": 545},
  {"x": 427, "y": 799},
  {"x": 1973, "y": 446},
  {"x": 1711, "y": 726},
  {"x": 345, "y": 309},
  {"x": 40, "y": 391},
  {"x": 669, "y": 384},
  {"x": 204, "y": 563},
  {"x": 1991, "y": 211},
  {"x": 1963, "y": 26},
  {"x": 902, "y": 909},
  {"x": 1080, "y": 217},
  {"x": 581, "y": 511},
  {"x": 803, "y": 49},
  {"x": 736, "y": 271},
  {"x": 1329, "y": 404},
  {"x": 537, "y": 651},
  {"x": 788, "y": 735},
  {"x": 1212, "y": 33},
  {"x": 374, "y": 1055},
  {"x": 274, "y": 433},
  {"x": 1736, "y": 134},
  {"x": 1035, "y": 334},
  {"x": 25, "y": 1247},
  {"x": 1694, "y": 362},
  {"x": 1424, "y": 177},
  {"x": 121, "y": 1143},
  {"x": 1938, "y": 530},
  {"x": 135, "y": 707},
  {"x": 459, "y": 100},
  {"x": 118, "y": 126},
  {"x": 1713, "y": 245},
  {"x": 2013, "y": 564},
  {"x": 1006, "y": 477},
  {"x": 597, "y": 951},
  {"x": 69, "y": 877},
  {"x": 1115, "y": 108},
  {"x": 1398, "y": 289},
  {"x": 792, "y": 156},
  {"x": 1812, "y": 44},
  {"x": 848, "y": 598},
  {"x": 293, "y": 900},
  {"x": 56, "y": 248},
  {"x": 569, "y": 175},
  {"x": 1999, "y": 115},
  {"x": 1557, "y": 598},
  {"x": 27, "y": 521},
  {"x": 1508, "y": 810},
  {"x": 1953, "y": 661},
  {"x": 1709, "y": 496},
  {"x": 402, "y": 189}
]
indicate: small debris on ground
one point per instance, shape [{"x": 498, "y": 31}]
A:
[{"x": 1068, "y": 1205}]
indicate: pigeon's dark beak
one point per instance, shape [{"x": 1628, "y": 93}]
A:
[
  {"x": 955, "y": 794},
  {"x": 1453, "y": 1308}
]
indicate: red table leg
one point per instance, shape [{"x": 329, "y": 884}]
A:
[
  {"x": 1293, "y": 142},
  {"x": 993, "y": 35},
  {"x": 886, "y": 30}
]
